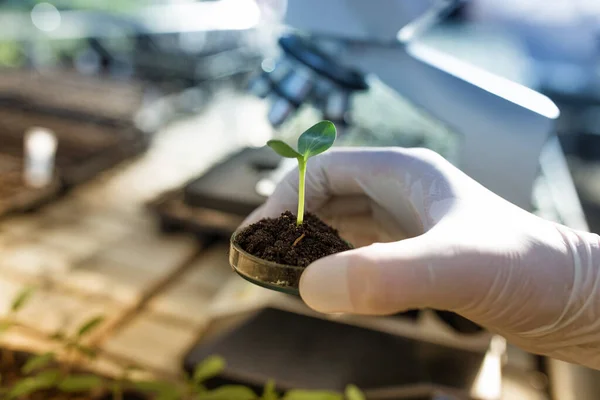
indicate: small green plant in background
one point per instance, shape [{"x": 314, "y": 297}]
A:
[
  {"x": 195, "y": 389},
  {"x": 18, "y": 302},
  {"x": 193, "y": 386},
  {"x": 10, "y": 321},
  {"x": 351, "y": 393},
  {"x": 48, "y": 371},
  {"x": 45, "y": 371},
  {"x": 314, "y": 141}
]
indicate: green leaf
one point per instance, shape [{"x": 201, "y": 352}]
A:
[
  {"x": 88, "y": 326},
  {"x": 153, "y": 386},
  {"x": 161, "y": 390},
  {"x": 269, "y": 391},
  {"x": 354, "y": 393},
  {"x": 208, "y": 368},
  {"x": 168, "y": 396},
  {"x": 116, "y": 390},
  {"x": 312, "y": 395},
  {"x": 228, "y": 392},
  {"x": 37, "y": 362},
  {"x": 4, "y": 326},
  {"x": 80, "y": 383},
  {"x": 317, "y": 139},
  {"x": 42, "y": 381},
  {"x": 58, "y": 336},
  {"x": 133, "y": 368},
  {"x": 21, "y": 299},
  {"x": 283, "y": 149},
  {"x": 86, "y": 351}
]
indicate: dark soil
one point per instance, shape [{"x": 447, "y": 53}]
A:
[{"x": 280, "y": 240}]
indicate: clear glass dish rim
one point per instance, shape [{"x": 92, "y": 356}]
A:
[{"x": 260, "y": 260}]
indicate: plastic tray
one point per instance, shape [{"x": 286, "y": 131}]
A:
[
  {"x": 88, "y": 143},
  {"x": 230, "y": 186},
  {"x": 216, "y": 203},
  {"x": 299, "y": 351}
]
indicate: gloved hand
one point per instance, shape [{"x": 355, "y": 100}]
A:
[{"x": 469, "y": 251}]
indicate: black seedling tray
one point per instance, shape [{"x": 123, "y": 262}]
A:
[
  {"x": 87, "y": 145},
  {"x": 15, "y": 196},
  {"x": 298, "y": 351},
  {"x": 230, "y": 186},
  {"x": 216, "y": 203},
  {"x": 64, "y": 91},
  {"x": 10, "y": 371},
  {"x": 176, "y": 216},
  {"x": 418, "y": 392}
]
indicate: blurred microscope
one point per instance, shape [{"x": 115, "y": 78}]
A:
[
  {"x": 500, "y": 130},
  {"x": 368, "y": 70}
]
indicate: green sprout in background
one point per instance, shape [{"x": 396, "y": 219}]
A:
[
  {"x": 316, "y": 140},
  {"x": 67, "y": 374}
]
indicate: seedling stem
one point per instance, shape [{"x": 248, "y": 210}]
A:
[
  {"x": 301, "y": 190},
  {"x": 316, "y": 140}
]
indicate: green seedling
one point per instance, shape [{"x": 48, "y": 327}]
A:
[
  {"x": 352, "y": 392},
  {"x": 193, "y": 387},
  {"x": 208, "y": 369},
  {"x": 45, "y": 371},
  {"x": 159, "y": 390},
  {"x": 316, "y": 140},
  {"x": 269, "y": 391},
  {"x": 72, "y": 344},
  {"x": 38, "y": 362},
  {"x": 21, "y": 299},
  {"x": 10, "y": 321},
  {"x": 43, "y": 381},
  {"x": 41, "y": 372},
  {"x": 18, "y": 302},
  {"x": 7, "y": 359}
]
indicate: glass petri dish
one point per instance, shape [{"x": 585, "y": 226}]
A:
[{"x": 267, "y": 274}]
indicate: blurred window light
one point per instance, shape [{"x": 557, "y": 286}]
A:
[
  {"x": 45, "y": 17},
  {"x": 203, "y": 16},
  {"x": 541, "y": 11},
  {"x": 590, "y": 7}
]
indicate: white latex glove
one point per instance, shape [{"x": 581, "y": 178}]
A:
[{"x": 535, "y": 282}]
